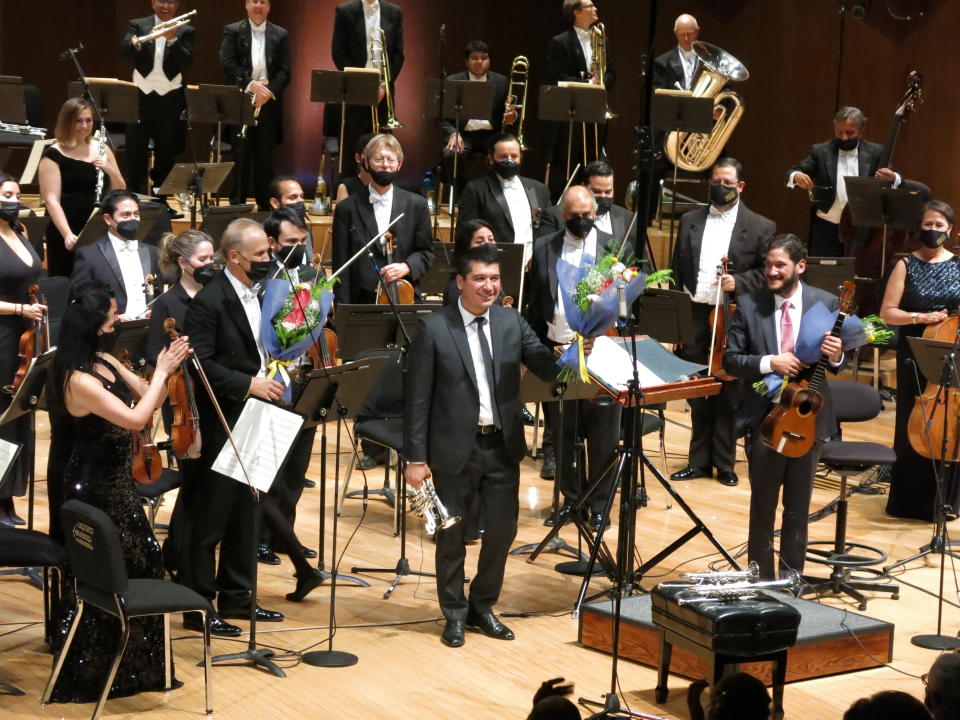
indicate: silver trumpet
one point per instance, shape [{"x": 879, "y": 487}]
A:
[
  {"x": 426, "y": 504},
  {"x": 23, "y": 129},
  {"x": 751, "y": 574},
  {"x": 163, "y": 28},
  {"x": 732, "y": 591}
]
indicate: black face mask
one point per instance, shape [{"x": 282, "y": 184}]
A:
[
  {"x": 603, "y": 205},
  {"x": 580, "y": 226},
  {"x": 291, "y": 256},
  {"x": 506, "y": 168},
  {"x": 128, "y": 229},
  {"x": 204, "y": 273},
  {"x": 299, "y": 208},
  {"x": 259, "y": 269},
  {"x": 9, "y": 210},
  {"x": 933, "y": 238},
  {"x": 721, "y": 196},
  {"x": 107, "y": 341},
  {"x": 848, "y": 144},
  {"x": 383, "y": 178}
]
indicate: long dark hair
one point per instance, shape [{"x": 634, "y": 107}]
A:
[
  {"x": 87, "y": 311},
  {"x": 465, "y": 231},
  {"x": 15, "y": 224}
]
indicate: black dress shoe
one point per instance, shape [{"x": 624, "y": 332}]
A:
[
  {"x": 308, "y": 552},
  {"x": 368, "y": 462},
  {"x": 307, "y": 483},
  {"x": 528, "y": 419},
  {"x": 305, "y": 583},
  {"x": 262, "y": 614},
  {"x": 596, "y": 519},
  {"x": 548, "y": 470},
  {"x": 453, "y": 633},
  {"x": 489, "y": 625},
  {"x": 727, "y": 477},
  {"x": 689, "y": 473},
  {"x": 266, "y": 555},
  {"x": 194, "y": 621}
]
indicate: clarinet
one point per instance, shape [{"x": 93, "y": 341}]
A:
[{"x": 101, "y": 153}]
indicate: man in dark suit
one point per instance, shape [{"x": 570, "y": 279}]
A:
[
  {"x": 367, "y": 213},
  {"x": 727, "y": 228},
  {"x": 596, "y": 421},
  {"x": 223, "y": 323},
  {"x": 119, "y": 259},
  {"x": 255, "y": 56},
  {"x": 822, "y": 171},
  {"x": 158, "y": 74},
  {"x": 675, "y": 69},
  {"x": 514, "y": 206},
  {"x": 355, "y": 23},
  {"x": 463, "y": 426},
  {"x": 570, "y": 58},
  {"x": 471, "y": 140},
  {"x": 761, "y": 340}
]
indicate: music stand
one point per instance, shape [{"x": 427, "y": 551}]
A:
[
  {"x": 132, "y": 337},
  {"x": 367, "y": 327},
  {"x": 581, "y": 103},
  {"x": 96, "y": 227},
  {"x": 217, "y": 217},
  {"x": 353, "y": 86},
  {"x": 829, "y": 273},
  {"x": 117, "y": 99},
  {"x": 435, "y": 281},
  {"x": 13, "y": 107},
  {"x": 195, "y": 180},
  {"x": 875, "y": 203},
  {"x": 667, "y": 315},
  {"x": 220, "y": 105},
  {"x": 678, "y": 111}
]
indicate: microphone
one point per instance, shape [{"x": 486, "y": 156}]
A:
[{"x": 622, "y": 310}]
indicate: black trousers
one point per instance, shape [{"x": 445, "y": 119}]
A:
[
  {"x": 769, "y": 472},
  {"x": 824, "y": 241},
  {"x": 598, "y": 423},
  {"x": 288, "y": 485},
  {"x": 255, "y": 157},
  {"x": 471, "y": 163},
  {"x": 494, "y": 479},
  {"x": 159, "y": 121}
]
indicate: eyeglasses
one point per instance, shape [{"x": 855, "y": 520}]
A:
[
  {"x": 923, "y": 678},
  {"x": 725, "y": 183}
]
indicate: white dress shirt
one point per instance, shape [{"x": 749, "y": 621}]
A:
[
  {"x": 571, "y": 253},
  {"x": 473, "y": 124},
  {"x": 584, "y": 37},
  {"x": 156, "y": 81},
  {"x": 520, "y": 216},
  {"x": 131, "y": 270},
  {"x": 382, "y": 207},
  {"x": 605, "y": 222},
  {"x": 795, "y": 312},
  {"x": 258, "y": 51},
  {"x": 716, "y": 243},
  {"x": 251, "y": 307},
  {"x": 688, "y": 59},
  {"x": 371, "y": 20},
  {"x": 473, "y": 340}
]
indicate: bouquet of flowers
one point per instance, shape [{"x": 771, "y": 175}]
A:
[
  {"x": 589, "y": 296},
  {"x": 854, "y": 333},
  {"x": 291, "y": 319}
]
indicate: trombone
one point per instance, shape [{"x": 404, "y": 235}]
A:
[
  {"x": 519, "y": 78},
  {"x": 163, "y": 28},
  {"x": 378, "y": 45},
  {"x": 598, "y": 67}
]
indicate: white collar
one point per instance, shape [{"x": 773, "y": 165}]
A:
[
  {"x": 581, "y": 33},
  {"x": 377, "y": 197},
  {"x": 569, "y": 239},
  {"x": 726, "y": 215},
  {"x": 258, "y": 28},
  {"x": 797, "y": 295},
  {"x": 468, "y": 317},
  {"x": 847, "y": 153},
  {"x": 120, "y": 243},
  {"x": 476, "y": 78},
  {"x": 686, "y": 54},
  {"x": 243, "y": 292},
  {"x": 370, "y": 8},
  {"x": 513, "y": 182}
]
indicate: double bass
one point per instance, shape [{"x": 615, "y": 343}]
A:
[
  {"x": 400, "y": 291},
  {"x": 34, "y": 341}
]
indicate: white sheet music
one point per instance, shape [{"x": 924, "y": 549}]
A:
[
  {"x": 8, "y": 454},
  {"x": 264, "y": 434},
  {"x": 613, "y": 365}
]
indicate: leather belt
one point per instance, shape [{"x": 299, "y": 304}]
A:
[{"x": 486, "y": 429}]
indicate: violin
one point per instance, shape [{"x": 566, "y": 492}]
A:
[
  {"x": 34, "y": 341},
  {"x": 720, "y": 318},
  {"x": 147, "y": 463},
  {"x": 400, "y": 291},
  {"x": 931, "y": 407},
  {"x": 323, "y": 353},
  {"x": 185, "y": 428}
]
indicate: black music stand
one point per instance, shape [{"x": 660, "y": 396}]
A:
[
  {"x": 368, "y": 327},
  {"x": 667, "y": 316},
  {"x": 829, "y": 273},
  {"x": 511, "y": 271},
  {"x": 874, "y": 202},
  {"x": 132, "y": 337},
  {"x": 678, "y": 111},
  {"x": 195, "y": 180},
  {"x": 435, "y": 281},
  {"x": 96, "y": 228},
  {"x": 13, "y": 107},
  {"x": 578, "y": 103},
  {"x": 217, "y": 217},
  {"x": 117, "y": 99},
  {"x": 220, "y": 105},
  {"x": 344, "y": 87}
]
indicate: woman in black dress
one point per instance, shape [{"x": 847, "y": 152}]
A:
[
  {"x": 97, "y": 392},
  {"x": 923, "y": 289},
  {"x": 19, "y": 269},
  {"x": 68, "y": 181}
]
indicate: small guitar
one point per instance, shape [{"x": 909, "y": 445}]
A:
[{"x": 791, "y": 428}]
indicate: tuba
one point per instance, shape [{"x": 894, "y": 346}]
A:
[
  {"x": 696, "y": 152},
  {"x": 426, "y": 504},
  {"x": 378, "y": 45},
  {"x": 519, "y": 78}
]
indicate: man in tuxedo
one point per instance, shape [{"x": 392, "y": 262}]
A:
[
  {"x": 471, "y": 139},
  {"x": 287, "y": 233},
  {"x": 761, "y": 340},
  {"x": 355, "y": 23},
  {"x": 367, "y": 213},
  {"x": 286, "y": 191},
  {"x": 596, "y": 421},
  {"x": 674, "y": 70},
  {"x": 727, "y": 228},
  {"x": 223, "y": 323},
  {"x": 158, "y": 67},
  {"x": 514, "y": 206},
  {"x": 463, "y": 426},
  {"x": 821, "y": 173},
  {"x": 119, "y": 259},
  {"x": 255, "y": 55}
]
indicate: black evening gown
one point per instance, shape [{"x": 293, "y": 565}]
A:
[
  {"x": 99, "y": 473},
  {"x": 913, "y": 489},
  {"x": 15, "y": 278},
  {"x": 78, "y": 184}
]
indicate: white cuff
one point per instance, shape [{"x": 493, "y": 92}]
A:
[{"x": 766, "y": 366}]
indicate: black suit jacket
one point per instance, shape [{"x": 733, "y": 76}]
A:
[
  {"x": 566, "y": 61},
  {"x": 177, "y": 55},
  {"x": 98, "y": 261},
  {"x": 496, "y": 110},
  {"x": 483, "y": 198},
  {"x": 350, "y": 35},
  {"x": 354, "y": 224},
  {"x": 753, "y": 334},
  {"x": 442, "y": 403},
  {"x": 821, "y": 166},
  {"x": 542, "y": 283},
  {"x": 620, "y": 219},
  {"x": 750, "y": 233},
  {"x": 668, "y": 70}
]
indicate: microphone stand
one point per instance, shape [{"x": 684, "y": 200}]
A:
[
  {"x": 441, "y": 100},
  {"x": 197, "y": 178}
]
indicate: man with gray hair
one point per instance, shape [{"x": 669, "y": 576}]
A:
[
  {"x": 674, "y": 69},
  {"x": 822, "y": 174}
]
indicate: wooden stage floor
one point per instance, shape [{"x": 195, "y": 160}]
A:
[{"x": 404, "y": 670}]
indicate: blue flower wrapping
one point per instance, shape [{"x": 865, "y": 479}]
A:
[{"x": 819, "y": 320}]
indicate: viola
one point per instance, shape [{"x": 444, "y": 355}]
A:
[
  {"x": 147, "y": 463},
  {"x": 791, "y": 428},
  {"x": 34, "y": 341},
  {"x": 185, "y": 428},
  {"x": 720, "y": 318},
  {"x": 400, "y": 291},
  {"x": 933, "y": 405}
]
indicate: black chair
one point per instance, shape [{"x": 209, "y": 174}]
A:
[
  {"x": 152, "y": 495},
  {"x": 97, "y": 563},
  {"x": 32, "y": 549},
  {"x": 853, "y": 402}
]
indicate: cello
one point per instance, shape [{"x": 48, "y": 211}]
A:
[
  {"x": 932, "y": 427},
  {"x": 400, "y": 291},
  {"x": 720, "y": 317},
  {"x": 185, "y": 428},
  {"x": 34, "y": 341}
]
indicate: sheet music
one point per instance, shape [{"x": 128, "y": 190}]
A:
[
  {"x": 611, "y": 363},
  {"x": 8, "y": 455},
  {"x": 33, "y": 162},
  {"x": 264, "y": 434}
]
